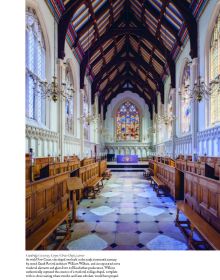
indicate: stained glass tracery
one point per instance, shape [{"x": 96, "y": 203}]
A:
[{"x": 127, "y": 122}]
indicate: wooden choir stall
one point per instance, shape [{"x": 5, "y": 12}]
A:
[
  {"x": 53, "y": 191},
  {"x": 196, "y": 188}
]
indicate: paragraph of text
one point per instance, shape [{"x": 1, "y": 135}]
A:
[{"x": 70, "y": 266}]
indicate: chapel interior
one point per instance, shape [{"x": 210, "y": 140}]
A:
[{"x": 122, "y": 125}]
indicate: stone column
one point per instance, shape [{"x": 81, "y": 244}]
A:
[
  {"x": 97, "y": 131},
  {"x": 173, "y": 94},
  {"x": 82, "y": 148},
  {"x": 156, "y": 135},
  {"x": 61, "y": 109},
  {"x": 194, "y": 115}
]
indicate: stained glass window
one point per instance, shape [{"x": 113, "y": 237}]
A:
[
  {"x": 185, "y": 105},
  {"x": 69, "y": 104},
  {"x": 214, "y": 73},
  {"x": 35, "y": 68},
  {"x": 128, "y": 122}
]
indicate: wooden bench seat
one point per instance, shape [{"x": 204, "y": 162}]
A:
[
  {"x": 157, "y": 185},
  {"x": 95, "y": 181},
  {"x": 208, "y": 233},
  {"x": 91, "y": 179},
  {"x": 39, "y": 237},
  {"x": 107, "y": 174},
  {"x": 93, "y": 186},
  {"x": 104, "y": 171}
]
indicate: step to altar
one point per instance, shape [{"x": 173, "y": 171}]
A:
[{"x": 138, "y": 167}]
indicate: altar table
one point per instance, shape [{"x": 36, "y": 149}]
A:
[{"x": 127, "y": 158}]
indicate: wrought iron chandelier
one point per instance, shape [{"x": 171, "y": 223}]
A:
[
  {"x": 200, "y": 90},
  {"x": 165, "y": 118},
  {"x": 88, "y": 117},
  {"x": 54, "y": 91}
]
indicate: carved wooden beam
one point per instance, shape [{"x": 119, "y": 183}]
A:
[{"x": 140, "y": 32}]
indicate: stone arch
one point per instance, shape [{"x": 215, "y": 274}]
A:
[
  {"x": 139, "y": 152},
  {"x": 32, "y": 4},
  {"x": 182, "y": 69},
  {"x": 70, "y": 66},
  {"x": 132, "y": 100},
  {"x": 144, "y": 154},
  {"x": 36, "y": 7},
  {"x": 132, "y": 149}
]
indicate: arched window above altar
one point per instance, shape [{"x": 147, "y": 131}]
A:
[{"x": 127, "y": 122}]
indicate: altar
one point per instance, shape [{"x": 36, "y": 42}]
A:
[{"x": 127, "y": 158}]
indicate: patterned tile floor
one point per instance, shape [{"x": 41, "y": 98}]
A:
[{"x": 127, "y": 215}]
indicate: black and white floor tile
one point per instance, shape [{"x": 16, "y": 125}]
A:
[{"x": 127, "y": 215}]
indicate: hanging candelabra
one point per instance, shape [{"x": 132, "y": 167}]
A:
[
  {"x": 88, "y": 117},
  {"x": 199, "y": 91},
  {"x": 165, "y": 119},
  {"x": 54, "y": 91}
]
